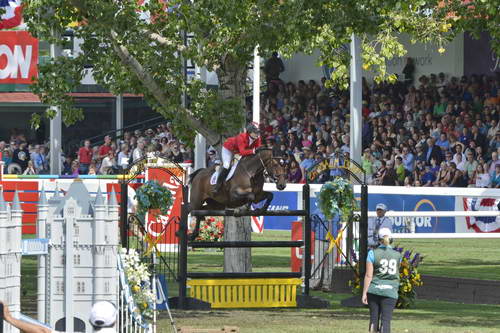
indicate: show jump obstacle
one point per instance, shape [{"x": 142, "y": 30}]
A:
[{"x": 245, "y": 290}]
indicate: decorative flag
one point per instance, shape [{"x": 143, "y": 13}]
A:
[
  {"x": 258, "y": 221},
  {"x": 12, "y": 14},
  {"x": 482, "y": 223}
]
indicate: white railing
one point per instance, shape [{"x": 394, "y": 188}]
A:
[{"x": 130, "y": 319}]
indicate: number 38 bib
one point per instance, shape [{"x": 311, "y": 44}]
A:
[{"x": 385, "y": 272}]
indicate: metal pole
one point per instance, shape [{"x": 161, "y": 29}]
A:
[
  {"x": 1, "y": 318},
  {"x": 183, "y": 228},
  {"x": 124, "y": 213},
  {"x": 256, "y": 85},
  {"x": 307, "y": 238},
  {"x": 356, "y": 100},
  {"x": 119, "y": 117},
  {"x": 363, "y": 230}
]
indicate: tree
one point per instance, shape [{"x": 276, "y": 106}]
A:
[{"x": 136, "y": 46}]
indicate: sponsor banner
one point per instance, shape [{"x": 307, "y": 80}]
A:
[
  {"x": 164, "y": 227},
  {"x": 415, "y": 203},
  {"x": 18, "y": 57},
  {"x": 399, "y": 202},
  {"x": 281, "y": 201}
]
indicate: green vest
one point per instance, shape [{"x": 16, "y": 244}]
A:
[{"x": 385, "y": 272}]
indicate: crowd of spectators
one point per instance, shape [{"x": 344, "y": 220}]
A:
[
  {"x": 110, "y": 157},
  {"x": 438, "y": 131}
]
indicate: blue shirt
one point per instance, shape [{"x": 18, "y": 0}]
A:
[
  {"x": 307, "y": 163},
  {"x": 408, "y": 162},
  {"x": 443, "y": 143},
  {"x": 428, "y": 176}
]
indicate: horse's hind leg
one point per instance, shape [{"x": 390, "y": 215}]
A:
[{"x": 196, "y": 230}]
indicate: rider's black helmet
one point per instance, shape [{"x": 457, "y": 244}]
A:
[{"x": 253, "y": 128}]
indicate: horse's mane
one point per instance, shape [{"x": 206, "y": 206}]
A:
[{"x": 258, "y": 150}]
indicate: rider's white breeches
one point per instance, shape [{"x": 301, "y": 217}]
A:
[{"x": 227, "y": 157}]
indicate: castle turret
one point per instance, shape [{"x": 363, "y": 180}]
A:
[
  {"x": 113, "y": 218},
  {"x": 41, "y": 232},
  {"x": 3, "y": 224},
  {"x": 17, "y": 222},
  {"x": 13, "y": 262},
  {"x": 100, "y": 238}
]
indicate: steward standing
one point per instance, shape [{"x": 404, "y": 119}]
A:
[{"x": 381, "y": 283}]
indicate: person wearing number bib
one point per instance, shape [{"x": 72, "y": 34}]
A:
[{"x": 381, "y": 284}]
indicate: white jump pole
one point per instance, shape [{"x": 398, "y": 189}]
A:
[
  {"x": 458, "y": 235},
  {"x": 451, "y": 213}
]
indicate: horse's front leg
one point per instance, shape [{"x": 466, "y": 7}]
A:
[{"x": 268, "y": 196}]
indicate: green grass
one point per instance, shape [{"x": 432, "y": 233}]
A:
[
  {"x": 427, "y": 317},
  {"x": 458, "y": 258},
  {"x": 464, "y": 258}
]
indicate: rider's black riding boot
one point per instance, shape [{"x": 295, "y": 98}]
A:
[{"x": 220, "y": 179}]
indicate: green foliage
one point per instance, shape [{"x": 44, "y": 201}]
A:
[
  {"x": 140, "y": 49},
  {"x": 152, "y": 195},
  {"x": 337, "y": 198}
]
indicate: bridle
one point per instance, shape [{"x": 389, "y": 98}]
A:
[{"x": 266, "y": 172}]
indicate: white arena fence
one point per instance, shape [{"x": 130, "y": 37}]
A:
[
  {"x": 129, "y": 318},
  {"x": 410, "y": 221}
]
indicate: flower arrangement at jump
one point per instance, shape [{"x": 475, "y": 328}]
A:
[
  {"x": 337, "y": 198},
  {"x": 138, "y": 278},
  {"x": 409, "y": 278},
  {"x": 211, "y": 229},
  {"x": 152, "y": 196}
]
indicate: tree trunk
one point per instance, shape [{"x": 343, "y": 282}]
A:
[
  {"x": 232, "y": 77},
  {"x": 237, "y": 259}
]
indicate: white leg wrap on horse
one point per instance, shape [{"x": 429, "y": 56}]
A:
[{"x": 227, "y": 157}]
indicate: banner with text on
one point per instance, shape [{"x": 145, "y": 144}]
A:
[{"x": 18, "y": 57}]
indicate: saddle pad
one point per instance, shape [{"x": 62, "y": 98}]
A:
[{"x": 213, "y": 178}]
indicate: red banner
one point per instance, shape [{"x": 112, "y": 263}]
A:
[
  {"x": 18, "y": 57},
  {"x": 165, "y": 227},
  {"x": 297, "y": 252}
]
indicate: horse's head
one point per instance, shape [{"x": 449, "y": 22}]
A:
[
  {"x": 274, "y": 167},
  {"x": 278, "y": 172}
]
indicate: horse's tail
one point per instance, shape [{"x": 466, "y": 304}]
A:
[{"x": 191, "y": 176}]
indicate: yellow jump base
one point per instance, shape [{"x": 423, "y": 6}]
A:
[{"x": 246, "y": 293}]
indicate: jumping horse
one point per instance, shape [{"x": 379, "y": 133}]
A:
[{"x": 242, "y": 189}]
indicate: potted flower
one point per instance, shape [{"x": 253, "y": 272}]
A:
[
  {"x": 337, "y": 198},
  {"x": 153, "y": 196}
]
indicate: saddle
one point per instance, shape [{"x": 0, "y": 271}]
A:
[{"x": 232, "y": 169}]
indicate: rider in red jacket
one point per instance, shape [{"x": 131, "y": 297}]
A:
[{"x": 243, "y": 144}]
